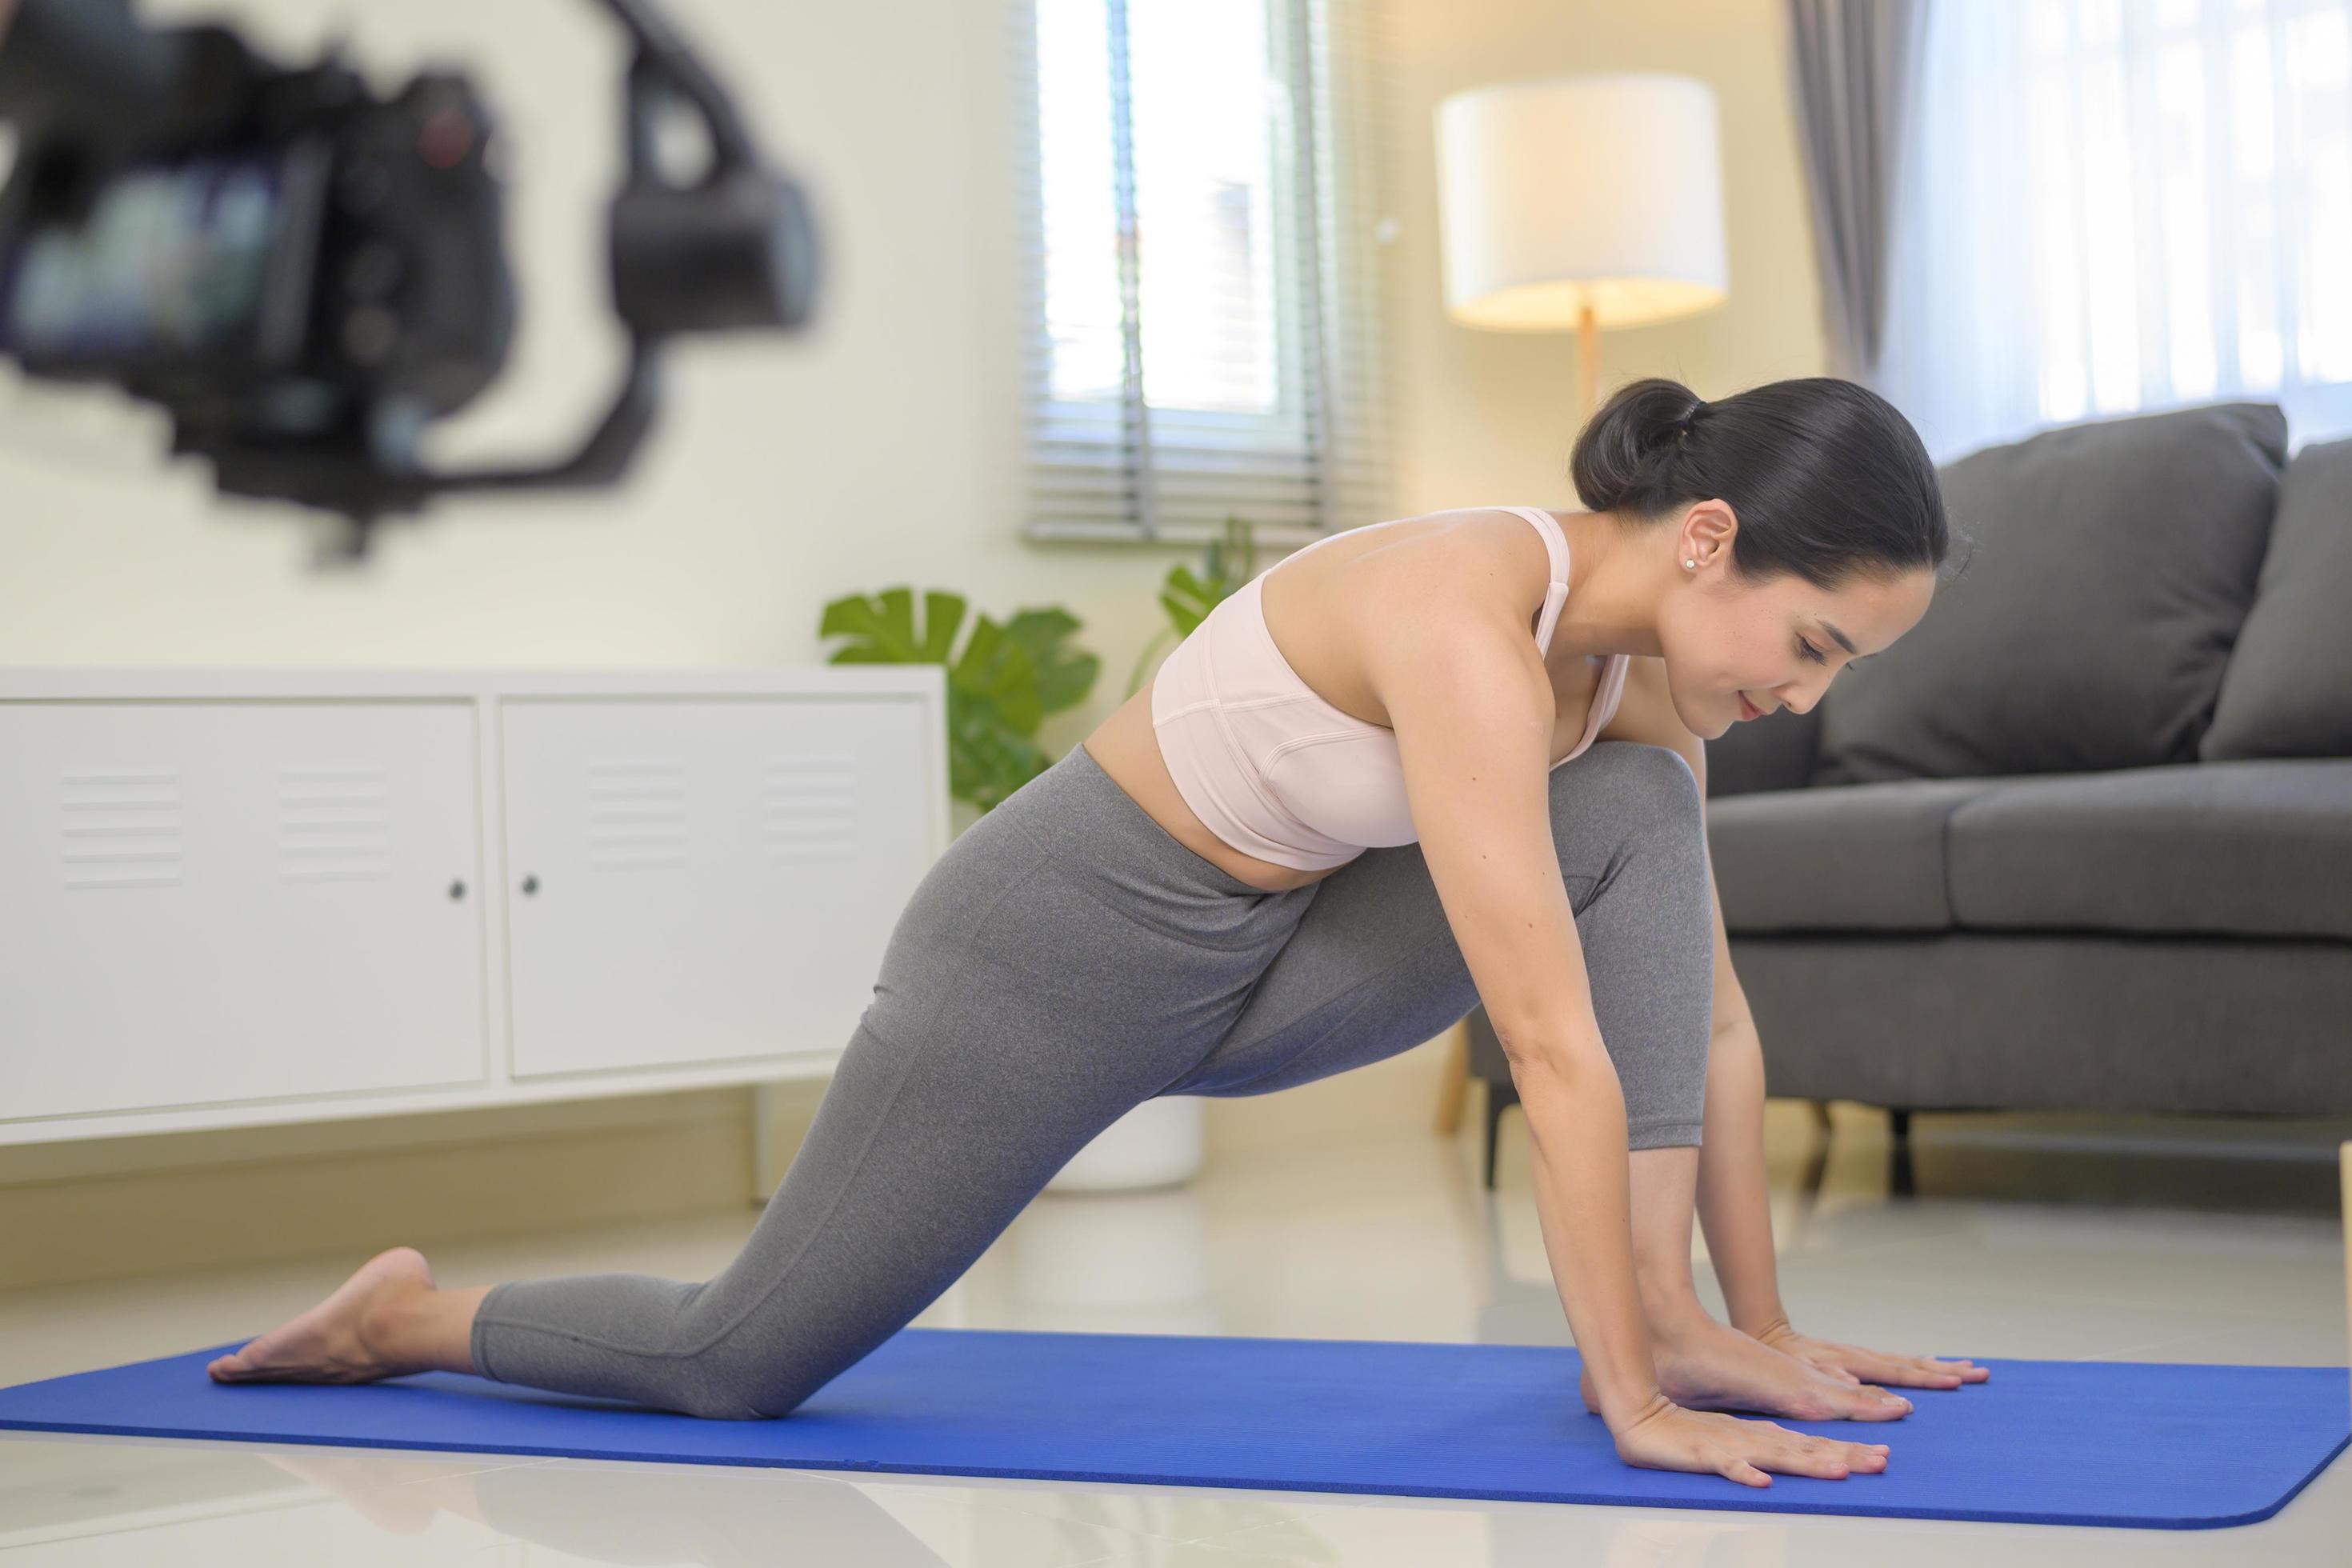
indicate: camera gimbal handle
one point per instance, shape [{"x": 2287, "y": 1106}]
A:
[{"x": 735, "y": 249}]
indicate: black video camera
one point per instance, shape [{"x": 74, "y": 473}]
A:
[{"x": 305, "y": 276}]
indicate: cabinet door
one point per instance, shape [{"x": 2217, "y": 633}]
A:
[
  {"x": 206, "y": 902},
  {"x": 696, "y": 880}
]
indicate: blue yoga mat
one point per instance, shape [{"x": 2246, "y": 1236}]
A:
[{"x": 2144, "y": 1445}]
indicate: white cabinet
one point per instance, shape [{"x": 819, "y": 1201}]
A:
[
  {"x": 234, "y": 896},
  {"x": 692, "y": 881},
  {"x": 201, "y": 897}
]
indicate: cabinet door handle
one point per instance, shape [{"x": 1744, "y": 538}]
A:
[
  {"x": 457, "y": 889},
  {"x": 531, "y": 884}
]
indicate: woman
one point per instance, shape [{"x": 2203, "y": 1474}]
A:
[{"x": 1409, "y": 771}]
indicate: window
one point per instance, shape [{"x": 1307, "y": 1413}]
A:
[
  {"x": 2111, "y": 205},
  {"x": 1204, "y": 234}
]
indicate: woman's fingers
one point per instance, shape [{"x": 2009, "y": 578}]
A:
[
  {"x": 1749, "y": 1452},
  {"x": 1927, "y": 1374},
  {"x": 1962, "y": 1371},
  {"x": 1867, "y": 1401},
  {"x": 1775, "y": 1448},
  {"x": 1740, "y": 1470},
  {"x": 1827, "y": 1360},
  {"x": 1834, "y": 1460},
  {"x": 1908, "y": 1371}
]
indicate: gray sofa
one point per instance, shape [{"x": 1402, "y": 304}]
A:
[{"x": 2082, "y": 839}]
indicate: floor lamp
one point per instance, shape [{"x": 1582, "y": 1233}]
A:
[{"x": 1584, "y": 201}]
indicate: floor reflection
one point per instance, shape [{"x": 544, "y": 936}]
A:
[{"x": 634, "y": 1513}]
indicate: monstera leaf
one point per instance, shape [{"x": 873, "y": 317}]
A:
[
  {"x": 999, "y": 689},
  {"x": 1064, "y": 676}
]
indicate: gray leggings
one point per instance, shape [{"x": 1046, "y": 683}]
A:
[{"x": 1064, "y": 960}]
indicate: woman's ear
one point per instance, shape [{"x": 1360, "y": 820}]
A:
[{"x": 1707, "y": 530}]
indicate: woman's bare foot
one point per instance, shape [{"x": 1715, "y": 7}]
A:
[{"x": 344, "y": 1338}]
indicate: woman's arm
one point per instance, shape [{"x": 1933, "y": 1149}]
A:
[
  {"x": 1733, "y": 1205},
  {"x": 1471, "y": 709},
  {"x": 1733, "y": 1197}
]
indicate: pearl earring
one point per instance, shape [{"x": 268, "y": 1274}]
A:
[{"x": 1693, "y": 566}]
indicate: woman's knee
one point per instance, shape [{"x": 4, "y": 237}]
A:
[
  {"x": 1640, "y": 783},
  {"x": 723, "y": 1405},
  {"x": 764, "y": 1402},
  {"x": 1634, "y": 802},
  {"x": 738, "y": 1379}
]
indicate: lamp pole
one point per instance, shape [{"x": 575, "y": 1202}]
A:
[{"x": 1588, "y": 362}]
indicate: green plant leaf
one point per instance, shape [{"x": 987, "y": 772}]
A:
[
  {"x": 884, "y": 627},
  {"x": 995, "y": 667},
  {"x": 988, "y": 759},
  {"x": 1007, "y": 678},
  {"x": 1188, "y": 599},
  {"x": 1065, "y": 675}
]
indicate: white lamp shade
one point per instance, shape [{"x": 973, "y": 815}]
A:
[{"x": 1561, "y": 191}]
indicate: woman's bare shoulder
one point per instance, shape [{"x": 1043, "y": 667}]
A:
[
  {"x": 1445, "y": 561},
  {"x": 1413, "y": 608}
]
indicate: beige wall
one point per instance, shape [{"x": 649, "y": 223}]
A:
[{"x": 881, "y": 447}]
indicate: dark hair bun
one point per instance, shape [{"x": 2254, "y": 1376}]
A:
[{"x": 1622, "y": 453}]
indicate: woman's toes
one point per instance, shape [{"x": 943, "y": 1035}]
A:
[{"x": 247, "y": 1359}]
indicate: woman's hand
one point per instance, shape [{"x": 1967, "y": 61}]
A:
[
  {"x": 1851, "y": 1363},
  {"x": 1703, "y": 1365},
  {"x": 1667, "y": 1436}
]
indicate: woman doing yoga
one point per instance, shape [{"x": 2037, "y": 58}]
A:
[{"x": 1409, "y": 770}]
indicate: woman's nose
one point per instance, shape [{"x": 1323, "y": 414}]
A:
[{"x": 1803, "y": 698}]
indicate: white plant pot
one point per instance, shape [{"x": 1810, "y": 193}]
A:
[{"x": 1157, "y": 1144}]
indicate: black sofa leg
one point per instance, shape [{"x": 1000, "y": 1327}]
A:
[
  {"x": 1902, "y": 1178},
  {"x": 1500, "y": 1097}
]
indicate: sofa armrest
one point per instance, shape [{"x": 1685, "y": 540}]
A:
[{"x": 1775, "y": 752}]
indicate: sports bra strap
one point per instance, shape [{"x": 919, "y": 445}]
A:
[{"x": 1554, "y": 546}]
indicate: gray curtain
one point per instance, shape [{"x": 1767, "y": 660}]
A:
[{"x": 1853, "y": 64}]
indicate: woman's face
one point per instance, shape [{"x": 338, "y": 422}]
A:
[{"x": 1776, "y": 644}]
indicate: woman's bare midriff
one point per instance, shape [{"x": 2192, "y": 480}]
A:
[{"x": 1301, "y": 616}]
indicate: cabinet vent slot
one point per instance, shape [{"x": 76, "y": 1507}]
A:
[
  {"x": 335, "y": 822},
  {"x": 120, "y": 826},
  {"x": 637, "y": 811},
  {"x": 809, "y": 806}
]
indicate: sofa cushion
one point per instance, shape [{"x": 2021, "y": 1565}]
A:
[
  {"x": 2113, "y": 565},
  {"x": 1867, "y": 857},
  {"x": 1775, "y": 752},
  {"x": 2288, "y": 689},
  {"x": 2242, "y": 848}
]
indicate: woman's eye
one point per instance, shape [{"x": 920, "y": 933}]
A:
[{"x": 1812, "y": 652}]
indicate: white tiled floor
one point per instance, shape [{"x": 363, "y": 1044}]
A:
[{"x": 2037, "y": 1238}]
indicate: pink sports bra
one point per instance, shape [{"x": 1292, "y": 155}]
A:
[{"x": 1276, "y": 771}]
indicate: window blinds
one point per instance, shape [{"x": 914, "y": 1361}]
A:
[{"x": 1202, "y": 221}]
